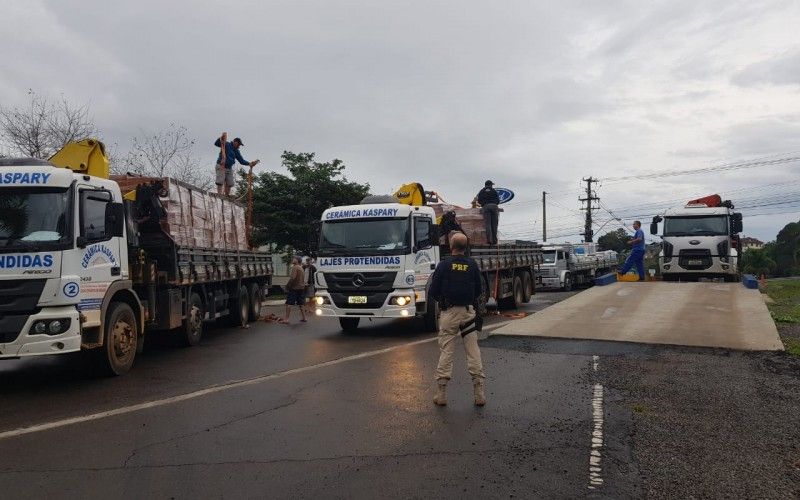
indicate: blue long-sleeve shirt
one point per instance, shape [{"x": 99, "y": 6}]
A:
[
  {"x": 639, "y": 245},
  {"x": 231, "y": 155}
]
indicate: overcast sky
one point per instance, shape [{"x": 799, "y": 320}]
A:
[{"x": 534, "y": 95}]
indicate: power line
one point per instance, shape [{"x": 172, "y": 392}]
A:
[{"x": 761, "y": 162}]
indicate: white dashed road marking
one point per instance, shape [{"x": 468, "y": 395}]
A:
[{"x": 595, "y": 456}]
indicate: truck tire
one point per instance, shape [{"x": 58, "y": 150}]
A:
[
  {"x": 239, "y": 310},
  {"x": 120, "y": 335},
  {"x": 431, "y": 318},
  {"x": 515, "y": 299},
  {"x": 193, "y": 322},
  {"x": 256, "y": 299},
  {"x": 527, "y": 287},
  {"x": 567, "y": 286},
  {"x": 349, "y": 325}
]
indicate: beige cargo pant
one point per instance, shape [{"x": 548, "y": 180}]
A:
[{"x": 449, "y": 322}]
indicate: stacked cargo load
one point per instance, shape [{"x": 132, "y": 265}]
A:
[
  {"x": 195, "y": 218},
  {"x": 470, "y": 220}
]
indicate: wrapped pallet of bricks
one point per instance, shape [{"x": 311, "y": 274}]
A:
[
  {"x": 217, "y": 221},
  {"x": 471, "y": 221}
]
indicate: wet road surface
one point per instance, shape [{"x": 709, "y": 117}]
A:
[{"x": 301, "y": 411}]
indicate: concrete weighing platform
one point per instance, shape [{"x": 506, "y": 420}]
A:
[{"x": 724, "y": 315}]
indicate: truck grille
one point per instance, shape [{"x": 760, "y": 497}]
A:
[
  {"x": 695, "y": 260},
  {"x": 374, "y": 300},
  {"x": 360, "y": 283},
  {"x": 18, "y": 300}
]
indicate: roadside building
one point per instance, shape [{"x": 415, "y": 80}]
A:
[{"x": 751, "y": 243}]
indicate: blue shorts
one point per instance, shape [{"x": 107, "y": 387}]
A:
[{"x": 295, "y": 297}]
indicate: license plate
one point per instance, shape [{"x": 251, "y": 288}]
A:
[
  {"x": 694, "y": 262},
  {"x": 357, "y": 299}
]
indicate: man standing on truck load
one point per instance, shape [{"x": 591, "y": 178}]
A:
[
  {"x": 636, "y": 258},
  {"x": 489, "y": 200},
  {"x": 456, "y": 285},
  {"x": 228, "y": 155},
  {"x": 294, "y": 291}
]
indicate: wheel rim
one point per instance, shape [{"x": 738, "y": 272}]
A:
[
  {"x": 195, "y": 321},
  {"x": 257, "y": 303},
  {"x": 124, "y": 333}
]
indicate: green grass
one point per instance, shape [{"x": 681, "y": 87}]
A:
[
  {"x": 785, "y": 310},
  {"x": 792, "y": 346},
  {"x": 786, "y": 294}
]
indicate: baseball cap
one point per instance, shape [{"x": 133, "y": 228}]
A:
[
  {"x": 236, "y": 139},
  {"x": 489, "y": 183}
]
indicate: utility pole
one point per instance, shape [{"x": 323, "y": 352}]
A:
[
  {"x": 544, "y": 216},
  {"x": 590, "y": 197}
]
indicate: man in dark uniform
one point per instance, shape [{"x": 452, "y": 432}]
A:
[
  {"x": 489, "y": 200},
  {"x": 456, "y": 285}
]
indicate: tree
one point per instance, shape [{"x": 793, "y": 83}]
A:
[
  {"x": 756, "y": 261},
  {"x": 287, "y": 208},
  {"x": 44, "y": 126},
  {"x": 785, "y": 250},
  {"x": 167, "y": 152},
  {"x": 614, "y": 240}
]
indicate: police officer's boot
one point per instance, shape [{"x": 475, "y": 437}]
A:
[
  {"x": 441, "y": 393},
  {"x": 480, "y": 396}
]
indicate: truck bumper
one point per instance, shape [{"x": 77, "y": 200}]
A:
[
  {"x": 718, "y": 268},
  {"x": 387, "y": 310},
  {"x": 30, "y": 344}
]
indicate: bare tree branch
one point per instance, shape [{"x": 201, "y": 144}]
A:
[
  {"x": 43, "y": 127},
  {"x": 166, "y": 153}
]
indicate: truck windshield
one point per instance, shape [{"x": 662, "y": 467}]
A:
[
  {"x": 33, "y": 219},
  {"x": 549, "y": 257},
  {"x": 711, "y": 225},
  {"x": 365, "y": 236}
]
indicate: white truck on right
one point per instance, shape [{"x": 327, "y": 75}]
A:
[
  {"x": 699, "y": 241},
  {"x": 566, "y": 265}
]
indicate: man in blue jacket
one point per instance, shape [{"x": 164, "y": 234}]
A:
[
  {"x": 636, "y": 258},
  {"x": 228, "y": 155}
]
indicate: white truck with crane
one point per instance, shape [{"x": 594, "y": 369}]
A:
[
  {"x": 375, "y": 260},
  {"x": 699, "y": 241},
  {"x": 567, "y": 265},
  {"x": 84, "y": 268}
]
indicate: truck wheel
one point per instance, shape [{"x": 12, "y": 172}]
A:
[
  {"x": 256, "y": 300},
  {"x": 518, "y": 292},
  {"x": 193, "y": 322},
  {"x": 567, "y": 286},
  {"x": 240, "y": 308},
  {"x": 515, "y": 299},
  {"x": 527, "y": 287},
  {"x": 120, "y": 334},
  {"x": 349, "y": 325},
  {"x": 431, "y": 318}
]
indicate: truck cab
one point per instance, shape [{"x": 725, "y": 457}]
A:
[
  {"x": 699, "y": 241},
  {"x": 374, "y": 261},
  {"x": 63, "y": 261},
  {"x": 555, "y": 267}
]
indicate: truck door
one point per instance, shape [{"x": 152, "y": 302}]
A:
[
  {"x": 96, "y": 261},
  {"x": 425, "y": 255}
]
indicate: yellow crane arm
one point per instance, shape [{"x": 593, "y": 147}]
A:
[{"x": 86, "y": 157}]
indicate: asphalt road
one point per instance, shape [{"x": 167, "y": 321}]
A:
[{"x": 303, "y": 410}]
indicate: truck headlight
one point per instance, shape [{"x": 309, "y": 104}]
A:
[
  {"x": 51, "y": 327},
  {"x": 321, "y": 300},
  {"x": 401, "y": 301}
]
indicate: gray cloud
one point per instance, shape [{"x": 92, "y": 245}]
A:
[
  {"x": 783, "y": 69},
  {"x": 534, "y": 96}
]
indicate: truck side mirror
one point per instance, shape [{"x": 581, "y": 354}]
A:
[
  {"x": 654, "y": 224},
  {"x": 115, "y": 219},
  {"x": 736, "y": 223}
]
